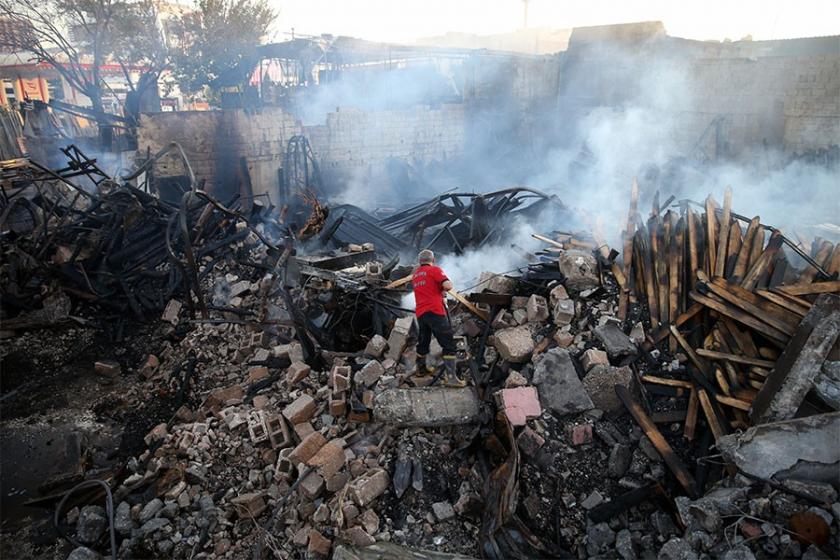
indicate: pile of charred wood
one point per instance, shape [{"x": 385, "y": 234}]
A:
[
  {"x": 756, "y": 330},
  {"x": 110, "y": 243}
]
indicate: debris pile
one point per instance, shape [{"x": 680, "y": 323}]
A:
[{"x": 635, "y": 407}]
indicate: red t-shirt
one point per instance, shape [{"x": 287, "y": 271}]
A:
[{"x": 428, "y": 289}]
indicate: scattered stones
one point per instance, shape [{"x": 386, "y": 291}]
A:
[
  {"x": 514, "y": 344},
  {"x": 443, "y": 511},
  {"x": 91, "y": 524}
]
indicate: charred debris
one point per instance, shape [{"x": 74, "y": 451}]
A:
[{"x": 674, "y": 397}]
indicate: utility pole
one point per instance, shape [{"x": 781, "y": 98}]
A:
[{"x": 525, "y": 14}]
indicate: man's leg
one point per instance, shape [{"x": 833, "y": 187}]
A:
[
  {"x": 442, "y": 330},
  {"x": 424, "y": 339}
]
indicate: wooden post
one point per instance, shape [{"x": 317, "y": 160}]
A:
[
  {"x": 711, "y": 238},
  {"x": 723, "y": 236}
]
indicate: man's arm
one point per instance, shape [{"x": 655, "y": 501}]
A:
[{"x": 447, "y": 285}]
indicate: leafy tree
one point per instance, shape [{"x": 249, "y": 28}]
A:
[{"x": 217, "y": 38}]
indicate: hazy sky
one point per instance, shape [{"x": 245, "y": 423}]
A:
[{"x": 404, "y": 20}]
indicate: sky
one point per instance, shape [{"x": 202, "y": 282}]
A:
[{"x": 406, "y": 20}]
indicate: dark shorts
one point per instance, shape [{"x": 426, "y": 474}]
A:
[{"x": 437, "y": 325}]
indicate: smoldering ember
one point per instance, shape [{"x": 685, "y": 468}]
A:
[{"x": 209, "y": 340}]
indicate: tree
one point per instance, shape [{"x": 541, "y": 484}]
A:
[
  {"x": 76, "y": 37},
  {"x": 217, "y": 39}
]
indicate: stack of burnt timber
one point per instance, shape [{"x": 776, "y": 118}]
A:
[{"x": 755, "y": 321}]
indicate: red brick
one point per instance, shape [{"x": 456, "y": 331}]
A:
[
  {"x": 338, "y": 406},
  {"x": 300, "y": 410},
  {"x": 519, "y": 404},
  {"x": 530, "y": 441},
  {"x": 307, "y": 448},
  {"x": 318, "y": 544},
  {"x": 580, "y": 434},
  {"x": 257, "y": 374},
  {"x": 297, "y": 372},
  {"x": 329, "y": 459}
]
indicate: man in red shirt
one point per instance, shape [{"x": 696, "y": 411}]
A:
[{"x": 430, "y": 285}]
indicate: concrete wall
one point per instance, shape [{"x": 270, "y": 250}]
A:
[
  {"x": 353, "y": 145},
  {"x": 745, "y": 97},
  {"x": 740, "y": 99}
]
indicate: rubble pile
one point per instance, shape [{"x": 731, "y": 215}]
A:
[{"x": 657, "y": 406}]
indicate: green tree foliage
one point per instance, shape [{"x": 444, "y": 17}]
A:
[{"x": 218, "y": 39}]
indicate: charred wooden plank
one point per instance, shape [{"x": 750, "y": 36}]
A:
[
  {"x": 692, "y": 355},
  {"x": 780, "y": 300},
  {"x": 666, "y": 381},
  {"x": 771, "y": 314},
  {"x": 658, "y": 441},
  {"x": 804, "y": 289},
  {"x": 693, "y": 243},
  {"x": 661, "y": 333},
  {"x": 746, "y": 247},
  {"x": 723, "y": 235},
  {"x": 733, "y": 248},
  {"x": 762, "y": 263},
  {"x": 711, "y": 236},
  {"x": 743, "y": 339},
  {"x": 740, "y": 316},
  {"x": 691, "y": 416},
  {"x": 713, "y": 355}
]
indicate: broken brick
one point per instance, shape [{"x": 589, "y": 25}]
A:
[
  {"x": 300, "y": 410},
  {"x": 338, "y": 406},
  {"x": 593, "y": 357},
  {"x": 529, "y": 441},
  {"x": 318, "y": 544},
  {"x": 307, "y": 448},
  {"x": 312, "y": 486},
  {"x": 519, "y": 404},
  {"x": 340, "y": 379},
  {"x": 249, "y": 505},
  {"x": 329, "y": 459},
  {"x": 297, "y": 372},
  {"x": 257, "y": 374},
  {"x": 579, "y": 434},
  {"x": 369, "y": 486}
]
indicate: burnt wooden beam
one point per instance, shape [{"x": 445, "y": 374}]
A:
[{"x": 659, "y": 442}]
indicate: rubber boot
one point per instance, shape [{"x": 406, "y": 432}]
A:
[
  {"x": 452, "y": 379},
  {"x": 420, "y": 367}
]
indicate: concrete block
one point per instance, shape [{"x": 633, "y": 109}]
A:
[
  {"x": 800, "y": 363},
  {"x": 537, "y": 309},
  {"x": 803, "y": 449},
  {"x": 559, "y": 388},
  {"x": 579, "y": 269},
  {"x": 428, "y": 406}
]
